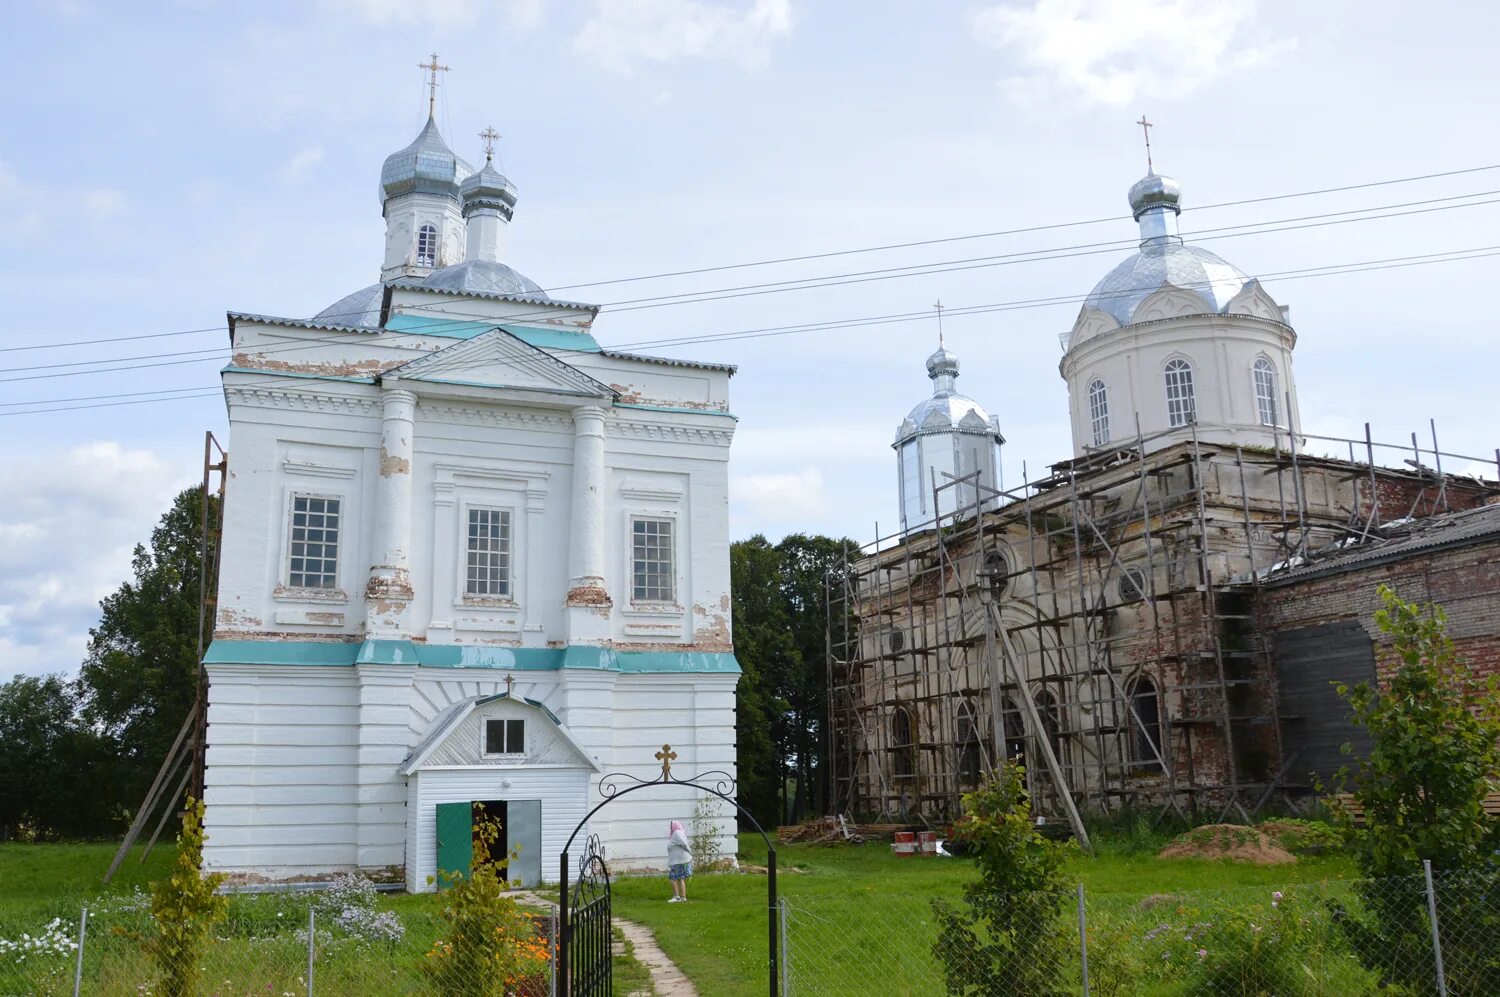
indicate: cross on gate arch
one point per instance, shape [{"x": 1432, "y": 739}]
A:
[{"x": 580, "y": 937}]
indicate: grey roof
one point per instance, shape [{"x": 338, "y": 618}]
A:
[
  {"x": 488, "y": 188},
  {"x": 669, "y": 361},
  {"x": 1159, "y": 263},
  {"x": 541, "y": 298},
  {"x": 360, "y": 309},
  {"x": 295, "y": 323},
  {"x": 425, "y": 166},
  {"x": 483, "y": 277},
  {"x": 1406, "y": 538}
]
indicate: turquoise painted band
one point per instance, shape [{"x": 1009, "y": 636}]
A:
[{"x": 331, "y": 654}]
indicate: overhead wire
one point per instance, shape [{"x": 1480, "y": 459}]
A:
[
  {"x": 863, "y": 249},
  {"x": 1450, "y": 256}
]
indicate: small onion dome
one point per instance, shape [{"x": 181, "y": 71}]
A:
[
  {"x": 942, "y": 362},
  {"x": 427, "y": 166},
  {"x": 488, "y": 189},
  {"x": 1152, "y": 191}
]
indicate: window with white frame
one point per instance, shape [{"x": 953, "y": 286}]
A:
[
  {"x": 504, "y": 737},
  {"x": 427, "y": 246},
  {"x": 652, "y": 561},
  {"x": 313, "y": 559},
  {"x": 1182, "y": 408},
  {"x": 1265, "y": 391},
  {"x": 1099, "y": 411},
  {"x": 489, "y": 553}
]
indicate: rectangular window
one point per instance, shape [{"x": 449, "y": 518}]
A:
[
  {"x": 1265, "y": 392},
  {"x": 1181, "y": 406},
  {"x": 314, "y": 556},
  {"x": 652, "y": 564},
  {"x": 488, "y": 571},
  {"x": 504, "y": 737}
]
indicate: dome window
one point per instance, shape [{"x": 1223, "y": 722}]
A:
[
  {"x": 1182, "y": 408},
  {"x": 1099, "y": 411},
  {"x": 1265, "y": 391},
  {"x": 996, "y": 573},
  {"x": 1132, "y": 586},
  {"x": 427, "y": 246}
]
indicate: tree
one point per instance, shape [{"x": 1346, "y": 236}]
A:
[
  {"x": 1006, "y": 938},
  {"x": 1434, "y": 756},
  {"x": 55, "y": 772},
  {"x": 140, "y": 676},
  {"x": 780, "y": 609}
]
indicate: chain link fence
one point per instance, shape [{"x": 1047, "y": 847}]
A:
[
  {"x": 273, "y": 945},
  {"x": 1388, "y": 936}
]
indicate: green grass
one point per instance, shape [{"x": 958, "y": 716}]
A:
[
  {"x": 39, "y": 882},
  {"x": 862, "y": 915}
]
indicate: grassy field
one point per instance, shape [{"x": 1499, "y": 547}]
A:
[{"x": 860, "y": 918}]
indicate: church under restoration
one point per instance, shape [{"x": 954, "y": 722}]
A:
[
  {"x": 1158, "y": 621},
  {"x": 470, "y": 555}
]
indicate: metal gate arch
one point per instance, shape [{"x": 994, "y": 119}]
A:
[{"x": 593, "y": 870}]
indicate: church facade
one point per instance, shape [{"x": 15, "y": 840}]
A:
[{"x": 469, "y": 555}]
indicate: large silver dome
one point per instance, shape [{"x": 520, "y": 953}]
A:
[
  {"x": 426, "y": 166},
  {"x": 946, "y": 410},
  {"x": 362, "y": 308},
  {"x": 1163, "y": 260},
  {"x": 1190, "y": 268}
]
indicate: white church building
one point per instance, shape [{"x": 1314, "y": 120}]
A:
[{"x": 470, "y": 555}]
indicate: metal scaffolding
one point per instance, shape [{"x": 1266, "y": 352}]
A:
[{"x": 1099, "y": 624}]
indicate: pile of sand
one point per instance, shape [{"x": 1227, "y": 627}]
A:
[{"x": 1228, "y": 841}]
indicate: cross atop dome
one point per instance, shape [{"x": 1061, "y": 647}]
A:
[{"x": 432, "y": 82}]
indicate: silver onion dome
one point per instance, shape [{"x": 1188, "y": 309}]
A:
[
  {"x": 483, "y": 277},
  {"x": 426, "y": 166},
  {"x": 488, "y": 189},
  {"x": 1163, "y": 259},
  {"x": 947, "y": 410}
]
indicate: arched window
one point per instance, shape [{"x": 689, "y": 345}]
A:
[
  {"x": 969, "y": 748},
  {"x": 427, "y": 246},
  {"x": 1099, "y": 411},
  {"x": 1265, "y": 391},
  {"x": 1182, "y": 409},
  {"x": 1014, "y": 728},
  {"x": 1051, "y": 716},
  {"x": 1144, "y": 723},
  {"x": 995, "y": 573},
  {"x": 903, "y": 747}
]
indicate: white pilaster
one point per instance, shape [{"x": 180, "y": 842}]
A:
[
  {"x": 388, "y": 594},
  {"x": 384, "y": 712},
  {"x": 588, "y": 602},
  {"x": 533, "y": 630}
]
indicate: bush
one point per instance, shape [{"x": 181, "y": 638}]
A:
[
  {"x": 703, "y": 839},
  {"x": 185, "y": 908},
  {"x": 492, "y": 948},
  {"x": 1007, "y": 939}
]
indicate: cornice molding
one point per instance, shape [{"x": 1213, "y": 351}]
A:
[
  {"x": 664, "y": 432},
  {"x": 290, "y": 399}
]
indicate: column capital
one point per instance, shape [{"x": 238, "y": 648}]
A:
[
  {"x": 393, "y": 391},
  {"x": 588, "y": 413}
]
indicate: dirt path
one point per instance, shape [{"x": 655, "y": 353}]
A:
[{"x": 665, "y": 976}]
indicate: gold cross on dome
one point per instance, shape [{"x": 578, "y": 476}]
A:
[
  {"x": 666, "y": 756},
  {"x": 1146, "y": 131},
  {"x": 432, "y": 82},
  {"x": 489, "y": 135}
]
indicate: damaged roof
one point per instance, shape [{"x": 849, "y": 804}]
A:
[{"x": 1393, "y": 541}]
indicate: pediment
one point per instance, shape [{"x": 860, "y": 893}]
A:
[
  {"x": 1170, "y": 302},
  {"x": 1254, "y": 301},
  {"x": 1091, "y": 322},
  {"x": 972, "y": 421},
  {"x": 456, "y": 737},
  {"x": 497, "y": 359}
]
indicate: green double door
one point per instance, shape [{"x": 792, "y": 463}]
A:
[{"x": 520, "y": 832}]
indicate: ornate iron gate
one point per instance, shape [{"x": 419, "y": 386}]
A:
[
  {"x": 584, "y": 935},
  {"x": 588, "y": 939}
]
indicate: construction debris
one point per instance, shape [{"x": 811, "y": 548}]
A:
[{"x": 835, "y": 830}]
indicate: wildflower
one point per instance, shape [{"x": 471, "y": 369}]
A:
[{"x": 1202, "y": 953}]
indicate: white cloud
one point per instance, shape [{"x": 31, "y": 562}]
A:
[
  {"x": 438, "y": 14},
  {"x": 795, "y": 498},
  {"x": 1116, "y": 52},
  {"x": 621, "y": 33},
  {"x": 299, "y": 168},
  {"x": 68, "y": 526}
]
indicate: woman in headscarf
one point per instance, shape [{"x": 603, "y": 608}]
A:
[{"x": 679, "y": 861}]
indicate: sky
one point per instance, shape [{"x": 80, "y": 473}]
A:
[{"x": 161, "y": 163}]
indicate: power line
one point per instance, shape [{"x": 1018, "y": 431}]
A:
[
  {"x": 917, "y": 270},
  {"x": 855, "y": 251},
  {"x": 1327, "y": 270}
]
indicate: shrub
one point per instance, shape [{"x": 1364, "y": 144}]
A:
[
  {"x": 491, "y": 948},
  {"x": 185, "y": 909},
  {"x": 1007, "y": 938},
  {"x": 1269, "y": 947},
  {"x": 1433, "y": 758},
  {"x": 703, "y": 839}
]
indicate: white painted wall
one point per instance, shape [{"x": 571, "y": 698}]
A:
[{"x": 1221, "y": 348}]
